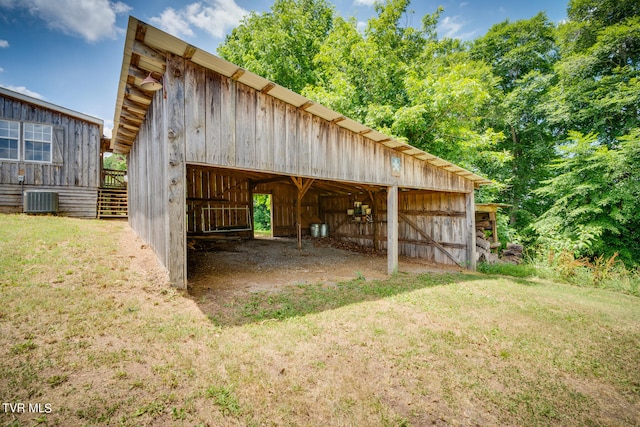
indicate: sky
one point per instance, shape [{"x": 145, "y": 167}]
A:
[{"x": 69, "y": 52}]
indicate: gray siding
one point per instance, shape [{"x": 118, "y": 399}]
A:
[
  {"x": 147, "y": 173},
  {"x": 75, "y": 168},
  {"x": 229, "y": 124}
]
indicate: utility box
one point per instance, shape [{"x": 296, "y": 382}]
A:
[{"x": 40, "y": 202}]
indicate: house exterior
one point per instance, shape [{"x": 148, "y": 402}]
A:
[
  {"x": 45, "y": 148},
  {"x": 216, "y": 134}
]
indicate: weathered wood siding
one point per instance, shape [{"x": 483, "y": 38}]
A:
[
  {"x": 439, "y": 215},
  {"x": 229, "y": 124},
  {"x": 74, "y": 171},
  {"x": 148, "y": 183}
]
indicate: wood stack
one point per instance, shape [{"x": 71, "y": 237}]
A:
[
  {"x": 513, "y": 253},
  {"x": 483, "y": 247}
]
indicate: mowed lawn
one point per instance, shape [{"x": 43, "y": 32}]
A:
[{"x": 91, "y": 336}]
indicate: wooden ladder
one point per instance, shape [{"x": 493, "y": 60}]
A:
[{"x": 112, "y": 203}]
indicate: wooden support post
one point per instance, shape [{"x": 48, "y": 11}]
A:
[
  {"x": 176, "y": 173},
  {"x": 251, "y": 213},
  {"x": 494, "y": 227},
  {"x": 303, "y": 186},
  {"x": 299, "y": 218},
  {"x": 374, "y": 214},
  {"x": 392, "y": 229},
  {"x": 471, "y": 230}
]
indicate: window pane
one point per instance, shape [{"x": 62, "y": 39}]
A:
[
  {"x": 37, "y": 151},
  {"x": 8, "y": 149},
  {"x": 9, "y": 129}
]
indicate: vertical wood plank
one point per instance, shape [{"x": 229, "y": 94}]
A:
[
  {"x": 279, "y": 136},
  {"x": 292, "y": 154},
  {"x": 213, "y": 125},
  {"x": 228, "y": 121},
  {"x": 176, "y": 173},
  {"x": 245, "y": 126},
  {"x": 195, "y": 112},
  {"x": 264, "y": 132}
]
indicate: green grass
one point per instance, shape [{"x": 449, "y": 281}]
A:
[
  {"x": 612, "y": 276},
  {"x": 85, "y": 329}
]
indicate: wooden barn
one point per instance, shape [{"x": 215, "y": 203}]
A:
[
  {"x": 214, "y": 134},
  {"x": 50, "y": 157}
]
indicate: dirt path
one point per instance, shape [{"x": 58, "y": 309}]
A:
[{"x": 232, "y": 267}]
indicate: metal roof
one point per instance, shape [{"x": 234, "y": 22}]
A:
[{"x": 145, "y": 51}]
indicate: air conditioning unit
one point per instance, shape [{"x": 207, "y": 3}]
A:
[{"x": 40, "y": 202}]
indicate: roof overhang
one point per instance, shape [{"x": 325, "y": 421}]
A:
[
  {"x": 44, "y": 104},
  {"x": 145, "y": 52}
]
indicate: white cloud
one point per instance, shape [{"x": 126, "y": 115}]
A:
[
  {"x": 213, "y": 16},
  {"x": 107, "y": 129},
  {"x": 1, "y": 70},
  {"x": 93, "y": 20},
  {"x": 451, "y": 26},
  {"x": 4, "y": 43},
  {"x": 23, "y": 90},
  {"x": 173, "y": 23},
  {"x": 361, "y": 26},
  {"x": 365, "y": 2}
]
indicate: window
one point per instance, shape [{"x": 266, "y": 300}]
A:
[
  {"x": 9, "y": 140},
  {"x": 37, "y": 142}
]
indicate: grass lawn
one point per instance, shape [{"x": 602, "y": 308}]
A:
[{"x": 93, "y": 339}]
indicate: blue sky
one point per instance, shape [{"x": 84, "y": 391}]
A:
[{"x": 69, "y": 52}]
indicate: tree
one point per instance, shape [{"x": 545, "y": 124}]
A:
[
  {"x": 599, "y": 89},
  {"x": 115, "y": 162},
  {"x": 522, "y": 55},
  {"x": 404, "y": 82},
  {"x": 596, "y": 208},
  {"x": 280, "y": 45}
]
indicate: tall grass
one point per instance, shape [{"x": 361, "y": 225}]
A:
[{"x": 600, "y": 272}]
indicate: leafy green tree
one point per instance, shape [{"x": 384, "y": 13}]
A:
[
  {"x": 280, "y": 45},
  {"x": 262, "y": 211},
  {"x": 405, "y": 82},
  {"x": 115, "y": 162},
  {"x": 522, "y": 55},
  {"x": 596, "y": 209},
  {"x": 599, "y": 89}
]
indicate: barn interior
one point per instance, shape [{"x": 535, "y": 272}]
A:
[{"x": 220, "y": 209}]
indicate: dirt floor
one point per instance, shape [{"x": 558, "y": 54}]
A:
[{"x": 231, "y": 267}]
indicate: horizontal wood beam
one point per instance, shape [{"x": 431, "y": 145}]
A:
[
  {"x": 268, "y": 87},
  {"x": 306, "y": 105},
  {"x": 138, "y": 95},
  {"x": 238, "y": 73},
  {"x": 150, "y": 55},
  {"x": 269, "y": 180}
]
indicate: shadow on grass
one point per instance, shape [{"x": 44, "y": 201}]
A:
[{"x": 300, "y": 300}]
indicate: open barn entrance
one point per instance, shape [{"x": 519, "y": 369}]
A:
[
  {"x": 228, "y": 250},
  {"x": 312, "y": 223}
]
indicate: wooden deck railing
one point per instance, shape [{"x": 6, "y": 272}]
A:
[{"x": 112, "y": 178}]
